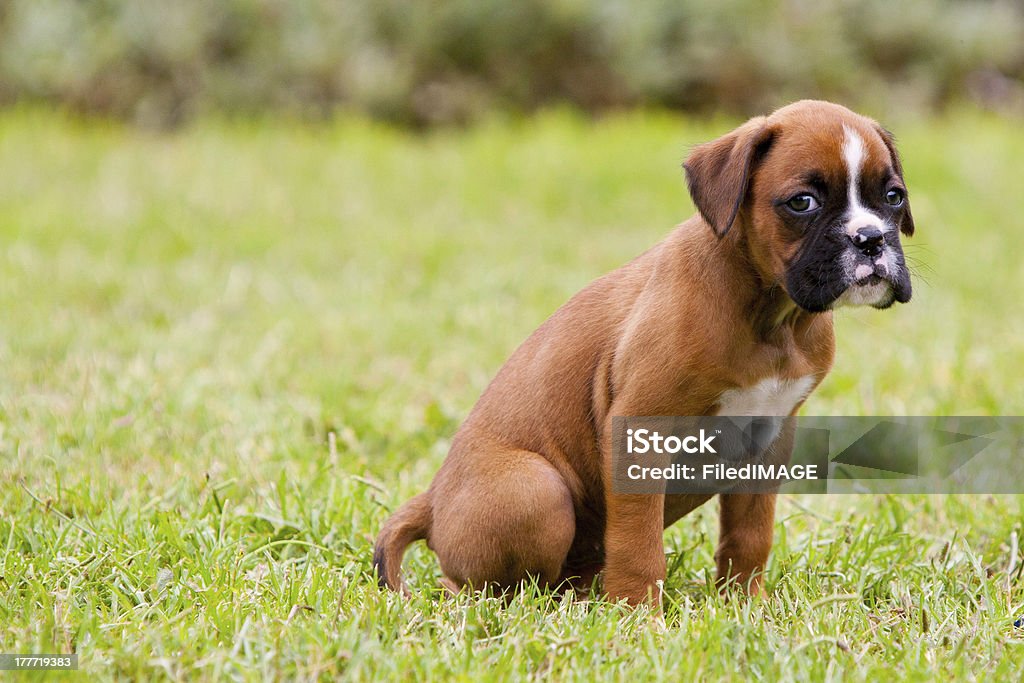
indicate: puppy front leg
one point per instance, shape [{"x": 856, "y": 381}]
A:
[
  {"x": 747, "y": 523},
  {"x": 634, "y": 548},
  {"x": 634, "y": 524}
]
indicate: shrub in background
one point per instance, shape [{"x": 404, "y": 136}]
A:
[{"x": 436, "y": 61}]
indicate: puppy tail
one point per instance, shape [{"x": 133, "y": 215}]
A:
[{"x": 410, "y": 523}]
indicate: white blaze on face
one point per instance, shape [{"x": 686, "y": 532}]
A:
[{"x": 857, "y": 216}]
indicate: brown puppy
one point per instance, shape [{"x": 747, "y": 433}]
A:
[{"x": 799, "y": 212}]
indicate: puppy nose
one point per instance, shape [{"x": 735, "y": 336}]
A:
[{"x": 868, "y": 240}]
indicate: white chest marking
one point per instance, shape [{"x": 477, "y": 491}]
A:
[
  {"x": 772, "y": 396},
  {"x": 857, "y": 216}
]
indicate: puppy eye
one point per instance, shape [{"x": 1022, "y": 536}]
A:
[
  {"x": 894, "y": 197},
  {"x": 803, "y": 203}
]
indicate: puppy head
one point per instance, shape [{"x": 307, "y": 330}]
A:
[{"x": 817, "y": 194}]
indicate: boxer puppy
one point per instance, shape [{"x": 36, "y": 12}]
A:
[{"x": 800, "y": 212}]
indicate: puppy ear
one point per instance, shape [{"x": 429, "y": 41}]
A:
[
  {"x": 907, "y": 219},
  {"x": 718, "y": 172}
]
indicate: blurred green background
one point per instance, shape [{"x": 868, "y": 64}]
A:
[{"x": 443, "y": 61}]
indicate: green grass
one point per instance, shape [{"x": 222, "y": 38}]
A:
[{"x": 227, "y": 354}]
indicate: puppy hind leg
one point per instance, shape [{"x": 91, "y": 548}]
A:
[{"x": 501, "y": 527}]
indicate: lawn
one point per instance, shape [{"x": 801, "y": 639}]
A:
[{"x": 226, "y": 354}]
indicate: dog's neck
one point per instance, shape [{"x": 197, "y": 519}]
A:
[{"x": 773, "y": 315}]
